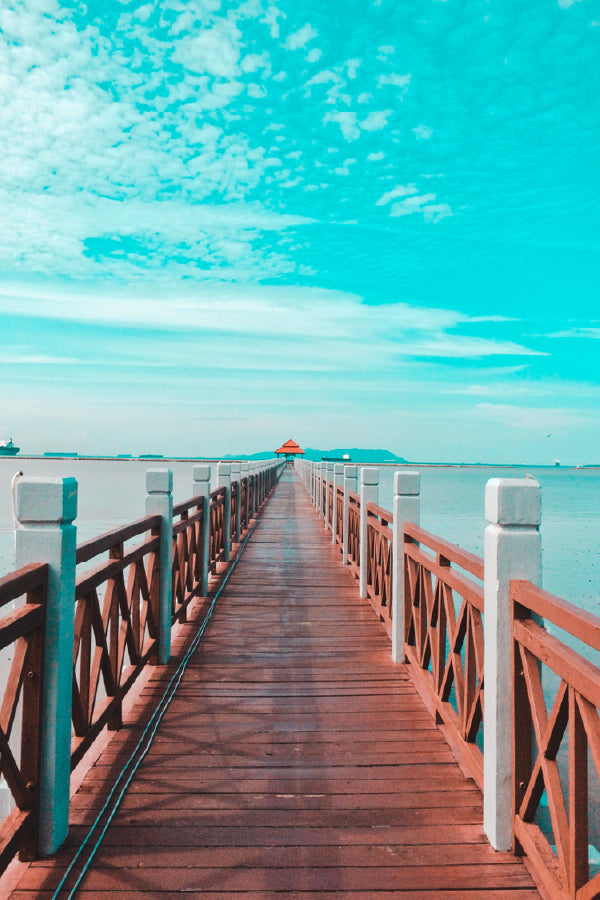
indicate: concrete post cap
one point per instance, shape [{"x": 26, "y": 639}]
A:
[
  {"x": 40, "y": 499},
  {"x": 236, "y": 467},
  {"x": 369, "y": 476},
  {"x": 224, "y": 468},
  {"x": 407, "y": 484},
  {"x": 338, "y": 468},
  {"x": 350, "y": 471},
  {"x": 159, "y": 481},
  {"x": 513, "y": 501},
  {"x": 201, "y": 473},
  {"x": 245, "y": 466}
]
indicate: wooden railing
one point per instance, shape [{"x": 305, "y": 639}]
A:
[
  {"x": 444, "y": 637},
  {"x": 379, "y": 561},
  {"x": 339, "y": 516},
  {"x": 571, "y": 728},
  {"x": 556, "y": 744},
  {"x": 120, "y": 606},
  {"x": 244, "y": 504},
  {"x": 235, "y": 502},
  {"x": 354, "y": 533},
  {"x": 22, "y": 632},
  {"x": 217, "y": 529},
  {"x": 187, "y": 555},
  {"x": 116, "y": 626}
]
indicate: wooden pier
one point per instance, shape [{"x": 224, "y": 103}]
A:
[{"x": 295, "y": 758}]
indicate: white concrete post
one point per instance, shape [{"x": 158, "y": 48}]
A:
[
  {"x": 45, "y": 510},
  {"x": 512, "y": 549},
  {"x": 338, "y": 480},
  {"x": 236, "y": 469},
  {"x": 406, "y": 508},
  {"x": 201, "y": 488},
  {"x": 350, "y": 474},
  {"x": 159, "y": 501},
  {"x": 369, "y": 484},
  {"x": 224, "y": 480}
]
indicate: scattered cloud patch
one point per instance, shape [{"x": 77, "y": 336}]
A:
[
  {"x": 423, "y": 132},
  {"x": 376, "y": 120},
  {"x": 583, "y": 332},
  {"x": 298, "y": 39},
  {"x": 402, "y": 190},
  {"x": 314, "y": 55}
]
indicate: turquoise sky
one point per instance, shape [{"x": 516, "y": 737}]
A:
[{"x": 355, "y": 222}]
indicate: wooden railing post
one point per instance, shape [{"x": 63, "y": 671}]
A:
[
  {"x": 350, "y": 475},
  {"x": 338, "y": 481},
  {"x": 236, "y": 469},
  {"x": 254, "y": 489},
  {"x": 512, "y": 550},
  {"x": 406, "y": 508},
  {"x": 45, "y": 511},
  {"x": 224, "y": 480},
  {"x": 159, "y": 501},
  {"x": 369, "y": 489},
  {"x": 328, "y": 479},
  {"x": 246, "y": 475},
  {"x": 201, "y": 488}
]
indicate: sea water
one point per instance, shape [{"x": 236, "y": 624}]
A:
[{"x": 111, "y": 492}]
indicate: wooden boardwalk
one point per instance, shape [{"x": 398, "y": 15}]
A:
[{"x": 295, "y": 758}]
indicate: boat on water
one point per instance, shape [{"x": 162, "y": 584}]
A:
[{"x": 8, "y": 448}]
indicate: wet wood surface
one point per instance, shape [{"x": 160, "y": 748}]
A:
[{"x": 295, "y": 759}]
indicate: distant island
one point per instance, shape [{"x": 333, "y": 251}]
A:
[{"x": 356, "y": 454}]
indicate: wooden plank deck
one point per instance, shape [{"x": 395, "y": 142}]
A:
[{"x": 295, "y": 758}]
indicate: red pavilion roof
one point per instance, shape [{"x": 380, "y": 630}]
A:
[{"x": 290, "y": 446}]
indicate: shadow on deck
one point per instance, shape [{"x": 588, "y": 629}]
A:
[{"x": 295, "y": 757}]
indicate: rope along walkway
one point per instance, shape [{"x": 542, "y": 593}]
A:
[{"x": 295, "y": 757}]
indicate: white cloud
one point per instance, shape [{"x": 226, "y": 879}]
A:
[
  {"x": 300, "y": 38},
  {"x": 215, "y": 51},
  {"x": 403, "y": 190},
  {"x": 584, "y": 332},
  {"x": 324, "y": 324},
  {"x": 352, "y": 67},
  {"x": 395, "y": 80},
  {"x": 423, "y": 132},
  {"x": 376, "y": 157},
  {"x": 376, "y": 120},
  {"x": 351, "y": 127},
  {"x": 255, "y": 61},
  {"x": 347, "y": 121},
  {"x": 314, "y": 55}
]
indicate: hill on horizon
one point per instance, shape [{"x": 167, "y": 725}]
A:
[{"x": 356, "y": 454}]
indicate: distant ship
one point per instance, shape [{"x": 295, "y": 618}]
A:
[{"x": 7, "y": 448}]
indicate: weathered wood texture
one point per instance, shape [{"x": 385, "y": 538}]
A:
[{"x": 296, "y": 759}]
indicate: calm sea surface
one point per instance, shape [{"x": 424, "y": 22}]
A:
[{"x": 112, "y": 492}]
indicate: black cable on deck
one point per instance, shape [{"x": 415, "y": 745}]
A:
[{"x": 142, "y": 747}]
